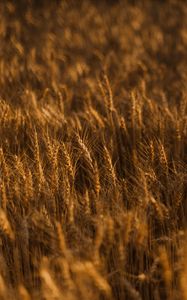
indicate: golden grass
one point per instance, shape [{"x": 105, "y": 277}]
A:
[{"x": 93, "y": 150}]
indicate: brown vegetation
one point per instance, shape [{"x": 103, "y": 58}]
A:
[{"x": 93, "y": 144}]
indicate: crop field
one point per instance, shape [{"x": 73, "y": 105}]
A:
[{"x": 93, "y": 150}]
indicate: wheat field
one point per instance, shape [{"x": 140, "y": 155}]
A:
[{"x": 93, "y": 150}]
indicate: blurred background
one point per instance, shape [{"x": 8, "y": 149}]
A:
[{"x": 131, "y": 40}]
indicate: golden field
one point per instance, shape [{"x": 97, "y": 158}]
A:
[{"x": 93, "y": 150}]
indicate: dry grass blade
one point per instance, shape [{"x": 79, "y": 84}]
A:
[{"x": 5, "y": 225}]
